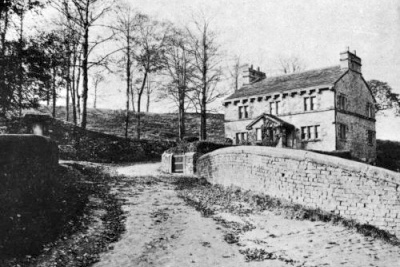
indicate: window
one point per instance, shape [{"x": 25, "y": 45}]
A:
[
  {"x": 258, "y": 134},
  {"x": 309, "y": 103},
  {"x": 370, "y": 110},
  {"x": 241, "y": 137},
  {"x": 342, "y": 101},
  {"x": 316, "y": 129},
  {"x": 274, "y": 107},
  {"x": 310, "y": 132},
  {"x": 277, "y": 107},
  {"x": 342, "y": 131},
  {"x": 303, "y": 133},
  {"x": 370, "y": 137},
  {"x": 243, "y": 112}
]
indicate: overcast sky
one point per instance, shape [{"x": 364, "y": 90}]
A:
[{"x": 261, "y": 31}]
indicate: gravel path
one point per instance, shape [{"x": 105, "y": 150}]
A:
[{"x": 162, "y": 230}]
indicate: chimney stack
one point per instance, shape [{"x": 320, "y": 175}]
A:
[
  {"x": 350, "y": 61},
  {"x": 251, "y": 75}
]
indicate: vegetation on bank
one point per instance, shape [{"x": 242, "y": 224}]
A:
[
  {"x": 210, "y": 199},
  {"x": 51, "y": 227}
]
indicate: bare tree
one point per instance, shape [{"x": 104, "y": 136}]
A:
[
  {"x": 235, "y": 72},
  {"x": 125, "y": 28},
  {"x": 207, "y": 57},
  {"x": 180, "y": 70},
  {"x": 291, "y": 64},
  {"x": 149, "y": 50},
  {"x": 85, "y": 14},
  {"x": 97, "y": 78}
]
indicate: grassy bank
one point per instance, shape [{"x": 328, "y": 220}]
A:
[
  {"x": 211, "y": 199},
  {"x": 60, "y": 233}
]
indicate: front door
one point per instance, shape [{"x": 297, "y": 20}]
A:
[{"x": 270, "y": 136}]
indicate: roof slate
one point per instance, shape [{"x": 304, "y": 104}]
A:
[{"x": 283, "y": 83}]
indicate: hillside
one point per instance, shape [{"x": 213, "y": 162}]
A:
[{"x": 154, "y": 125}]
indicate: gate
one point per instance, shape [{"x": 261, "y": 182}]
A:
[{"x": 177, "y": 163}]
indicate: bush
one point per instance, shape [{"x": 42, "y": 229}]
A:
[
  {"x": 35, "y": 211},
  {"x": 201, "y": 147}
]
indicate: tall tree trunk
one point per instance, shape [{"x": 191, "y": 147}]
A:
[
  {"x": 68, "y": 88},
  {"x": 203, "y": 111},
  {"x": 73, "y": 91},
  {"x": 85, "y": 88},
  {"x": 53, "y": 89},
  {"x": 128, "y": 83},
  {"x": 3, "y": 93},
  {"x": 78, "y": 95},
  {"x": 181, "y": 113},
  {"x": 132, "y": 98},
  {"x": 148, "y": 97},
  {"x": 138, "y": 105},
  {"x": 95, "y": 97},
  {"x": 20, "y": 67}
]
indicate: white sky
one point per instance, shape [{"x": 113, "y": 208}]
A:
[{"x": 261, "y": 31}]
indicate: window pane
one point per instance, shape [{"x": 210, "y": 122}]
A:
[
  {"x": 316, "y": 134},
  {"x": 303, "y": 132},
  {"x": 277, "y": 107},
  {"x": 312, "y": 103},
  {"x": 305, "y": 103},
  {"x": 258, "y": 134}
]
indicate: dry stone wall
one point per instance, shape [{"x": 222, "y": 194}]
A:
[{"x": 354, "y": 190}]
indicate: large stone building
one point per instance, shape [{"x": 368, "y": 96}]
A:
[{"x": 329, "y": 109}]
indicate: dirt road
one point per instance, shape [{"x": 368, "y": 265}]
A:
[{"x": 162, "y": 230}]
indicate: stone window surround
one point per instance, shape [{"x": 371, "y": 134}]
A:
[
  {"x": 309, "y": 103},
  {"x": 312, "y": 132}
]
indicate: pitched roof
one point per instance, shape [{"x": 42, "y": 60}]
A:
[
  {"x": 283, "y": 83},
  {"x": 269, "y": 117}
]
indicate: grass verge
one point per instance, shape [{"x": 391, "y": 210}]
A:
[{"x": 210, "y": 199}]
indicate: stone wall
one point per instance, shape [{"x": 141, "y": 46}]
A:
[
  {"x": 354, "y": 190},
  {"x": 355, "y": 117}
]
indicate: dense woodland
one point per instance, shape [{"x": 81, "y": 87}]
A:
[{"x": 86, "y": 41}]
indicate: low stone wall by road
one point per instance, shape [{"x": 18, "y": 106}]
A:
[{"x": 354, "y": 190}]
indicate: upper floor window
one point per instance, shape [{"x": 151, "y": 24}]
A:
[
  {"x": 310, "y": 132},
  {"x": 342, "y": 131},
  {"x": 243, "y": 112},
  {"x": 370, "y": 110},
  {"x": 309, "y": 103},
  {"x": 274, "y": 108},
  {"x": 342, "y": 101}
]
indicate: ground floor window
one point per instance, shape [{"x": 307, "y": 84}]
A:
[
  {"x": 241, "y": 137},
  {"x": 342, "y": 131},
  {"x": 258, "y": 134},
  {"x": 310, "y": 132},
  {"x": 370, "y": 137}
]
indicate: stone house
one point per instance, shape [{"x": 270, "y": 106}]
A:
[{"x": 329, "y": 109}]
